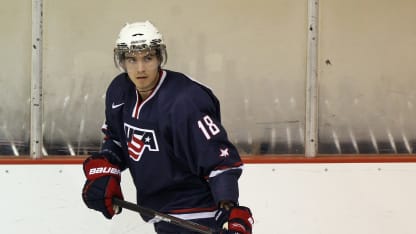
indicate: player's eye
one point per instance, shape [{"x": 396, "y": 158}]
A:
[
  {"x": 148, "y": 58},
  {"x": 130, "y": 60}
]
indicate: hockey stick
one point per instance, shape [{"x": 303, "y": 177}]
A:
[{"x": 164, "y": 217}]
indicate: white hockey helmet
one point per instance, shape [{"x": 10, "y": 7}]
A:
[{"x": 139, "y": 36}]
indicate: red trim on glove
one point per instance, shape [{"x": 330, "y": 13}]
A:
[{"x": 240, "y": 220}]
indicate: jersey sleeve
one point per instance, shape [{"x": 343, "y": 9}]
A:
[
  {"x": 111, "y": 146},
  {"x": 201, "y": 140}
]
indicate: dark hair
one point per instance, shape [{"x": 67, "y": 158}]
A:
[{"x": 120, "y": 55}]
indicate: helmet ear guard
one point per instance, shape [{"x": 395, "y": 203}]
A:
[{"x": 139, "y": 37}]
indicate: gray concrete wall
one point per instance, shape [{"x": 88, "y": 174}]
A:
[
  {"x": 252, "y": 53},
  {"x": 367, "y": 72}
]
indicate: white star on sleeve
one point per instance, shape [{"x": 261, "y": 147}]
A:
[{"x": 224, "y": 152}]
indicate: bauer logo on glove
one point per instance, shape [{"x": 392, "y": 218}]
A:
[{"x": 104, "y": 170}]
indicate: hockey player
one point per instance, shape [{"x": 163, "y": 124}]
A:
[{"x": 166, "y": 129}]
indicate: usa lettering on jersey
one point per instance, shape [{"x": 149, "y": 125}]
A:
[{"x": 138, "y": 140}]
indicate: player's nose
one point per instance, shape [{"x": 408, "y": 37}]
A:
[{"x": 140, "y": 66}]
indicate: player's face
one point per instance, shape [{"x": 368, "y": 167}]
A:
[{"x": 143, "y": 69}]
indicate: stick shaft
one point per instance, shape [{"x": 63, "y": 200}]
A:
[{"x": 163, "y": 217}]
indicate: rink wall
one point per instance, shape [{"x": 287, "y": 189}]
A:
[
  {"x": 253, "y": 54},
  {"x": 298, "y": 196}
]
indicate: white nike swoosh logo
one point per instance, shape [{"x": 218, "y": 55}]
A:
[{"x": 116, "y": 106}]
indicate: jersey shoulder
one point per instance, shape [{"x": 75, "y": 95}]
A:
[
  {"x": 120, "y": 82},
  {"x": 188, "y": 94},
  {"x": 118, "y": 88},
  {"x": 186, "y": 88}
]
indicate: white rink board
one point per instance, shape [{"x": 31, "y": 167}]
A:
[{"x": 285, "y": 199}]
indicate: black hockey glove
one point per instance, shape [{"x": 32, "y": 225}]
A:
[
  {"x": 237, "y": 220},
  {"x": 103, "y": 183}
]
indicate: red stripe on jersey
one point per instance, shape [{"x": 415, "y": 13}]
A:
[
  {"x": 138, "y": 146},
  {"x": 237, "y": 164},
  {"x": 193, "y": 210},
  {"x": 133, "y": 155}
]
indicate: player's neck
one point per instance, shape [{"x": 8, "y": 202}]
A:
[{"x": 145, "y": 94}]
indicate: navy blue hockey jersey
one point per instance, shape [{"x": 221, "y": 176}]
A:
[{"x": 174, "y": 145}]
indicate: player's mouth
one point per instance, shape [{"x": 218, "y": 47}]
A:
[{"x": 141, "y": 77}]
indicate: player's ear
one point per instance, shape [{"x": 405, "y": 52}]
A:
[
  {"x": 159, "y": 60},
  {"x": 123, "y": 65}
]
